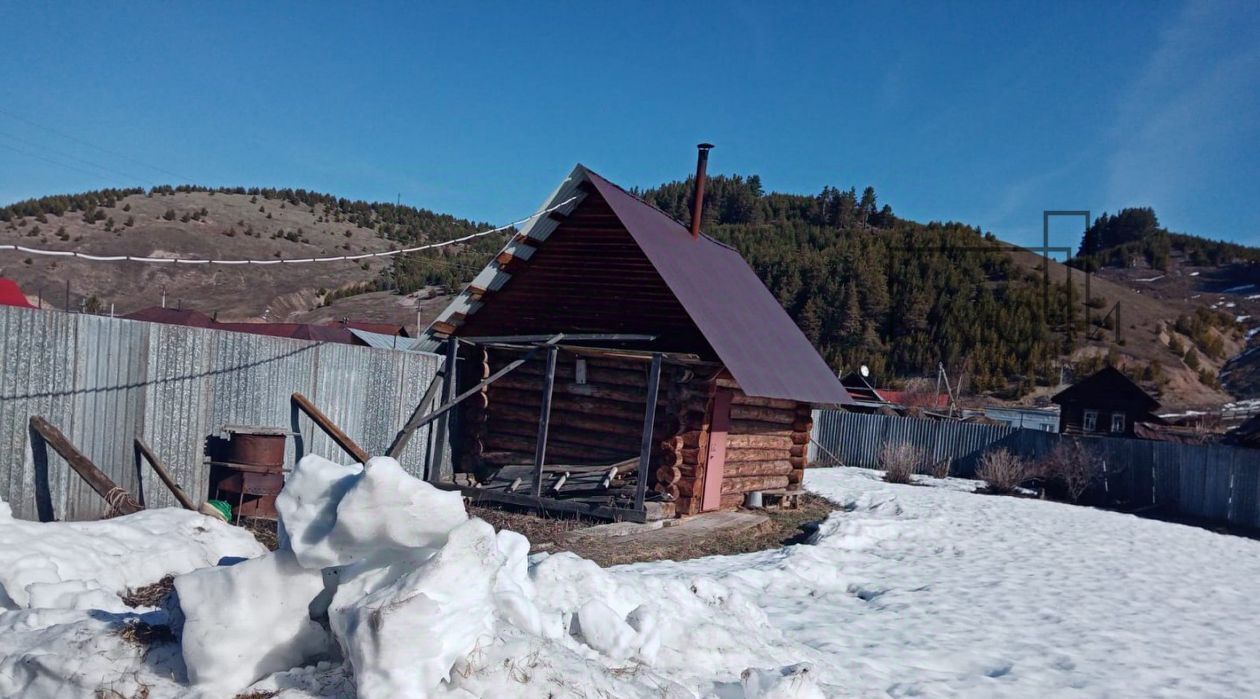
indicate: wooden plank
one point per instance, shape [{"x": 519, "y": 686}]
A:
[
  {"x": 417, "y": 416},
  {"x": 118, "y": 499},
  {"x": 330, "y": 428},
  {"x": 715, "y": 462},
  {"x": 544, "y": 418},
  {"x": 434, "y": 472},
  {"x": 589, "y": 508},
  {"x": 160, "y": 469},
  {"x": 649, "y": 420}
]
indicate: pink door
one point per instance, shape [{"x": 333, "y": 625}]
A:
[{"x": 716, "y": 461}]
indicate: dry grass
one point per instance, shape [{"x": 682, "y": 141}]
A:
[
  {"x": 149, "y": 595},
  {"x": 548, "y": 534},
  {"x": 143, "y": 635},
  {"x": 264, "y": 530},
  {"x": 257, "y": 694},
  {"x": 1002, "y": 471},
  {"x": 900, "y": 461}
]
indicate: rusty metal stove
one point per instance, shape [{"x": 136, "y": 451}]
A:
[{"x": 250, "y": 472}]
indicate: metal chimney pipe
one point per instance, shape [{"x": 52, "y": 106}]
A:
[{"x": 697, "y": 208}]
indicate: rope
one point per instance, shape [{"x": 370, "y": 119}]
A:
[
  {"x": 116, "y": 497},
  {"x": 282, "y": 260}
]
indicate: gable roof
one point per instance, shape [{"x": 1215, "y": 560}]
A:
[
  {"x": 1108, "y": 386},
  {"x": 740, "y": 319}
]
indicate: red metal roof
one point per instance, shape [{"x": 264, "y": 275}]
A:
[
  {"x": 750, "y": 332},
  {"x": 11, "y": 295},
  {"x": 299, "y": 331},
  {"x": 171, "y": 316}
]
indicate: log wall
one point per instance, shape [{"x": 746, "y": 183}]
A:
[{"x": 765, "y": 449}]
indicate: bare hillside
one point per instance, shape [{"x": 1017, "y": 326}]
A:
[
  {"x": 1150, "y": 305},
  {"x": 193, "y": 224}
]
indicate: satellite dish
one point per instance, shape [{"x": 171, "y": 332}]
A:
[{"x": 866, "y": 371}]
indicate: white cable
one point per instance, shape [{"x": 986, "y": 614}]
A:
[{"x": 281, "y": 260}]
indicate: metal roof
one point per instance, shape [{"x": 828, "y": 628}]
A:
[
  {"x": 749, "y": 331},
  {"x": 1108, "y": 386}
]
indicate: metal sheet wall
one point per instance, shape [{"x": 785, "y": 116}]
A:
[
  {"x": 1213, "y": 482},
  {"x": 103, "y": 381}
]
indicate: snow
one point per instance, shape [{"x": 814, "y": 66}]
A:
[
  {"x": 245, "y": 621},
  {"x": 1239, "y": 289},
  {"x": 87, "y": 565},
  {"x": 907, "y": 590}
]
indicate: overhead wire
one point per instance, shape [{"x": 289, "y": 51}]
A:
[
  {"x": 281, "y": 260},
  {"x": 82, "y": 142}
]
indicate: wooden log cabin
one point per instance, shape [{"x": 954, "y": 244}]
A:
[{"x": 735, "y": 378}]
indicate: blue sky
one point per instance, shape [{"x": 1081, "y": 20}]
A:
[{"x": 986, "y": 113}]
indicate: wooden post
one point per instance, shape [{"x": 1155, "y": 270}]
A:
[
  {"x": 544, "y": 419},
  {"x": 715, "y": 459},
  {"x": 119, "y": 500},
  {"x": 330, "y": 428},
  {"x": 437, "y": 472},
  {"x": 649, "y": 419},
  {"x": 165, "y": 475},
  {"x": 417, "y": 416}
]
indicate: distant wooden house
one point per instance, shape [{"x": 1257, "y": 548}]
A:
[
  {"x": 1105, "y": 403},
  {"x": 609, "y": 300}
]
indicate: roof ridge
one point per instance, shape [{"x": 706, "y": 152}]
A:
[{"x": 657, "y": 209}]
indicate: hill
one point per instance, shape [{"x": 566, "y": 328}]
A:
[
  {"x": 866, "y": 286},
  {"x": 237, "y": 223},
  {"x": 899, "y": 296}
]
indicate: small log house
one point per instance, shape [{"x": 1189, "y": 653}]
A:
[
  {"x": 1105, "y": 403},
  {"x": 654, "y": 309}
]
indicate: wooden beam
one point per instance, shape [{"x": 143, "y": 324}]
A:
[
  {"x": 169, "y": 481},
  {"x": 417, "y": 415},
  {"x": 588, "y": 509},
  {"x": 330, "y": 428},
  {"x": 451, "y": 403},
  {"x": 649, "y": 420},
  {"x": 118, "y": 499},
  {"x": 544, "y": 419},
  {"x": 434, "y": 472}
]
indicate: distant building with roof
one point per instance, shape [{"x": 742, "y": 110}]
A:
[{"x": 1105, "y": 403}]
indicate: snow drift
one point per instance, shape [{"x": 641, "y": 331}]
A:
[{"x": 389, "y": 575}]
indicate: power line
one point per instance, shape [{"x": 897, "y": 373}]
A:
[
  {"x": 280, "y": 260},
  {"x": 82, "y": 142},
  {"x": 89, "y": 163},
  {"x": 58, "y": 163}
]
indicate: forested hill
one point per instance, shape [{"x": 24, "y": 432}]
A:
[
  {"x": 1115, "y": 241},
  {"x": 870, "y": 288}
]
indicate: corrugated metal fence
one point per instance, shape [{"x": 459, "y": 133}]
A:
[
  {"x": 104, "y": 381},
  {"x": 1214, "y": 482}
]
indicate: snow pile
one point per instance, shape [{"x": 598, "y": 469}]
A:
[
  {"x": 86, "y": 565},
  {"x": 390, "y": 575}
]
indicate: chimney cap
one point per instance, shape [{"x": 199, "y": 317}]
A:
[{"x": 704, "y": 146}]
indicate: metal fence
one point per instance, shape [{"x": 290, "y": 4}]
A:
[
  {"x": 104, "y": 381},
  {"x": 1214, "y": 482}
]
